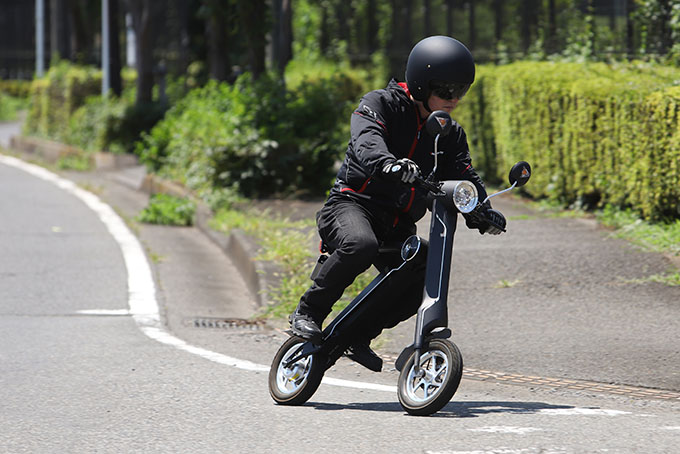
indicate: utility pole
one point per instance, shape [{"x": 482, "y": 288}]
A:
[
  {"x": 106, "y": 67},
  {"x": 39, "y": 38}
]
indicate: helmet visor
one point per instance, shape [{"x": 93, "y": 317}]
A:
[{"x": 448, "y": 90}]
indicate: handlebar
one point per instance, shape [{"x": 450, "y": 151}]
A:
[{"x": 435, "y": 189}]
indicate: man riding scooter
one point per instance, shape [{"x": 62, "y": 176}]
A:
[{"x": 374, "y": 200}]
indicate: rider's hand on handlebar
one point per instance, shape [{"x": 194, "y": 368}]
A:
[
  {"x": 404, "y": 169},
  {"x": 494, "y": 222}
]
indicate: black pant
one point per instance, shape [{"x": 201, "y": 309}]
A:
[{"x": 353, "y": 233}]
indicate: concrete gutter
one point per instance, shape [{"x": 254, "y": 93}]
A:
[{"x": 260, "y": 276}]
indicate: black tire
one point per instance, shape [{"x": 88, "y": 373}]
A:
[
  {"x": 443, "y": 366},
  {"x": 296, "y": 384}
]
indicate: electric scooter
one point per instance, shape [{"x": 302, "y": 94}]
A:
[{"x": 431, "y": 368}]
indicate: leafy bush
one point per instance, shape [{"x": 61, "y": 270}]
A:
[
  {"x": 594, "y": 133},
  {"x": 56, "y": 97},
  {"x": 90, "y": 125},
  {"x": 66, "y": 105},
  {"x": 255, "y": 136},
  {"x": 165, "y": 209}
]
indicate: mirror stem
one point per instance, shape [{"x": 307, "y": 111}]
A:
[
  {"x": 434, "y": 169},
  {"x": 500, "y": 192}
]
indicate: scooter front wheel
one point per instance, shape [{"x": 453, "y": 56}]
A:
[
  {"x": 294, "y": 384},
  {"x": 427, "y": 391}
]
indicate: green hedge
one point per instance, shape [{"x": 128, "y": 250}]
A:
[
  {"x": 595, "y": 134},
  {"x": 66, "y": 105}
]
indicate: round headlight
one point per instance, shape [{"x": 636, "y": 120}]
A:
[{"x": 465, "y": 196}]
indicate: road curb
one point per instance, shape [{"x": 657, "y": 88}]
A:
[{"x": 260, "y": 277}]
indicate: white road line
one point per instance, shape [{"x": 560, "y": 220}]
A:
[
  {"x": 105, "y": 312},
  {"x": 141, "y": 287}
]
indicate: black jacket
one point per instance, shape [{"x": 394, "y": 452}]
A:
[{"x": 387, "y": 126}]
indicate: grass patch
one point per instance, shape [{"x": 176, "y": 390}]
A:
[
  {"x": 79, "y": 162},
  {"x": 165, "y": 209},
  {"x": 657, "y": 237},
  {"x": 504, "y": 283},
  {"x": 289, "y": 244},
  {"x": 670, "y": 279}
]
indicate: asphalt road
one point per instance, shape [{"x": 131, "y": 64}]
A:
[{"x": 119, "y": 380}]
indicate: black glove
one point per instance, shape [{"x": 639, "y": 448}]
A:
[
  {"x": 403, "y": 169},
  {"x": 493, "y": 222}
]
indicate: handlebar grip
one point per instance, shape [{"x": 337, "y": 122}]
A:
[
  {"x": 477, "y": 215},
  {"x": 435, "y": 188},
  {"x": 493, "y": 224}
]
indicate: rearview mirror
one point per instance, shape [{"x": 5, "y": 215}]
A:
[
  {"x": 439, "y": 122},
  {"x": 520, "y": 173}
]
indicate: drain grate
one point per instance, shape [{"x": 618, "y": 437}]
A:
[{"x": 227, "y": 323}]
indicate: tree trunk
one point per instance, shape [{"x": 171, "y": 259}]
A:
[
  {"x": 498, "y": 21},
  {"x": 251, "y": 16},
  {"x": 529, "y": 20},
  {"x": 283, "y": 34},
  {"x": 59, "y": 30},
  {"x": 114, "y": 48},
  {"x": 471, "y": 25},
  {"x": 184, "y": 12},
  {"x": 78, "y": 31},
  {"x": 450, "y": 4},
  {"x": 630, "y": 31},
  {"x": 427, "y": 18},
  {"x": 343, "y": 14},
  {"x": 407, "y": 42},
  {"x": 372, "y": 28},
  {"x": 216, "y": 37},
  {"x": 666, "y": 34},
  {"x": 141, "y": 12},
  {"x": 551, "y": 35}
]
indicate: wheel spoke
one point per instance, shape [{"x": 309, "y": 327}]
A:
[
  {"x": 418, "y": 383},
  {"x": 289, "y": 379}
]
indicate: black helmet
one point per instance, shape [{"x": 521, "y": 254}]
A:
[{"x": 442, "y": 65}]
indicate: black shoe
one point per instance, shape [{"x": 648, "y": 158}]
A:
[
  {"x": 304, "y": 326},
  {"x": 362, "y": 354}
]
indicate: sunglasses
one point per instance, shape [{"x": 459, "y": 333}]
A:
[{"x": 447, "y": 91}]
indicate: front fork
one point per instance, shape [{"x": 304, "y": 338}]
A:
[{"x": 433, "y": 311}]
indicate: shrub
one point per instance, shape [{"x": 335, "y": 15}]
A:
[
  {"x": 56, "y": 97},
  {"x": 255, "y": 136},
  {"x": 90, "y": 125},
  {"x": 166, "y": 209}
]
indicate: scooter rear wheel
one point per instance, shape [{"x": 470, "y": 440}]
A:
[
  {"x": 295, "y": 384},
  {"x": 441, "y": 367}
]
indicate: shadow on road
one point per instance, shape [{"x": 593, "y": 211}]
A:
[{"x": 452, "y": 410}]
